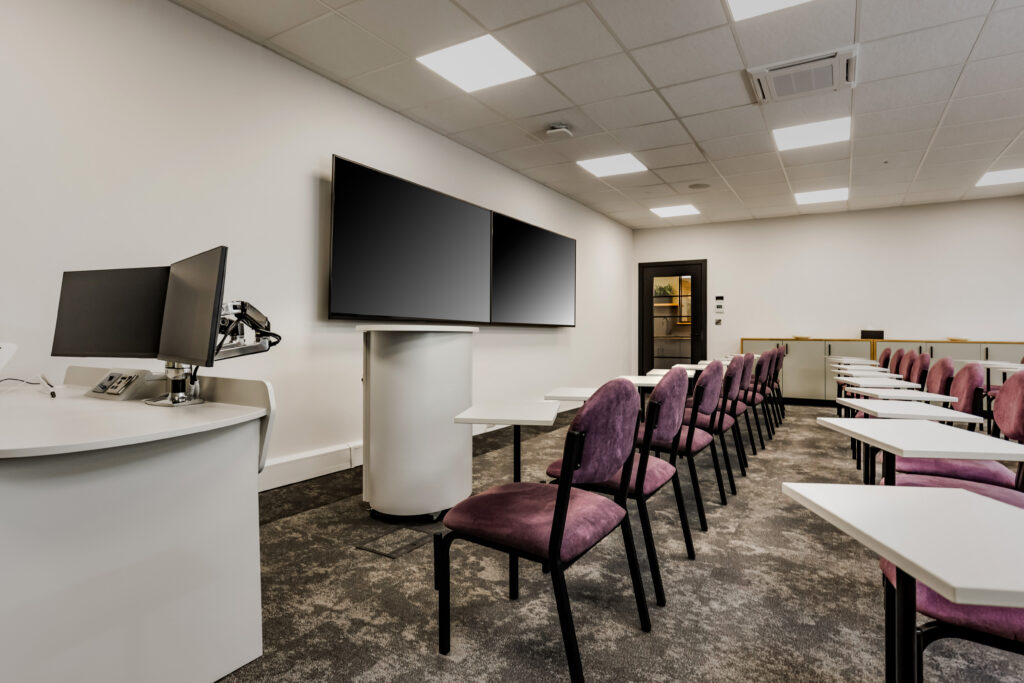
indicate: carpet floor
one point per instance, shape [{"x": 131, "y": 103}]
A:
[{"x": 775, "y": 593}]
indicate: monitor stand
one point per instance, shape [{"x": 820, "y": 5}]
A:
[{"x": 183, "y": 393}]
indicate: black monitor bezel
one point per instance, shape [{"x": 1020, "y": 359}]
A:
[{"x": 215, "y": 321}]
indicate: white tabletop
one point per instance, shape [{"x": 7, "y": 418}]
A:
[
  {"x": 902, "y": 394},
  {"x": 853, "y": 360},
  {"x": 878, "y": 382},
  {"x": 693, "y": 367},
  {"x": 907, "y": 410},
  {"x": 858, "y": 368},
  {"x": 925, "y": 439},
  {"x": 983, "y": 570},
  {"x": 33, "y": 424},
  {"x": 657, "y": 372},
  {"x": 537, "y": 413},
  {"x": 1005, "y": 366},
  {"x": 570, "y": 394},
  {"x": 872, "y": 372},
  {"x": 642, "y": 381}
]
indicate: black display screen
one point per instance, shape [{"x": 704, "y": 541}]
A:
[
  {"x": 195, "y": 288},
  {"x": 405, "y": 252},
  {"x": 533, "y": 275}
]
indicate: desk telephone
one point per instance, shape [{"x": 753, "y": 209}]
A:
[{"x": 129, "y": 385}]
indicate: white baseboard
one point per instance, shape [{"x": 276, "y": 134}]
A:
[{"x": 289, "y": 469}]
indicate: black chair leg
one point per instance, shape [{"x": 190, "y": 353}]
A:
[
  {"x": 767, "y": 419},
  {"x": 513, "y": 576},
  {"x": 741, "y": 452},
  {"x": 757, "y": 422},
  {"x": 572, "y": 648},
  {"x": 684, "y": 521},
  {"x": 750, "y": 432},
  {"x": 442, "y": 565},
  {"x": 890, "y": 631},
  {"x": 634, "y": 574},
  {"x": 696, "y": 493},
  {"x": 718, "y": 475},
  {"x": 728, "y": 463},
  {"x": 652, "y": 552}
]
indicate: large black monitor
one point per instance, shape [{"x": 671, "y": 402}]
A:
[
  {"x": 401, "y": 251},
  {"x": 111, "y": 313},
  {"x": 195, "y": 288},
  {"x": 533, "y": 278}
]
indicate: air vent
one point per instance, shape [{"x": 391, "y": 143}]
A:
[{"x": 808, "y": 76}]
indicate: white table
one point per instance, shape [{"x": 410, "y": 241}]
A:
[
  {"x": 907, "y": 410},
  {"x": 984, "y": 570},
  {"x": 692, "y": 367},
  {"x": 515, "y": 413},
  {"x": 858, "y": 368},
  {"x": 852, "y": 360},
  {"x": 995, "y": 365},
  {"x": 902, "y": 394},
  {"x": 879, "y": 373},
  {"x": 570, "y": 394},
  {"x": 657, "y": 372},
  {"x": 878, "y": 382}
]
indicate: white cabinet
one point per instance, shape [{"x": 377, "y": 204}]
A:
[
  {"x": 958, "y": 351},
  {"x": 853, "y": 348},
  {"x": 803, "y": 372},
  {"x": 759, "y": 346},
  {"x": 1010, "y": 353}
]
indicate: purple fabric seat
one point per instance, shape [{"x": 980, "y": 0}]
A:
[
  {"x": 496, "y": 515},
  {"x": 749, "y": 396},
  {"x": 1006, "y": 495},
  {"x": 895, "y": 360},
  {"x": 883, "y": 358},
  {"x": 709, "y": 423},
  {"x": 701, "y": 439},
  {"x": 1008, "y": 408},
  {"x": 659, "y": 473},
  {"x": 939, "y": 377},
  {"x": 982, "y": 471}
]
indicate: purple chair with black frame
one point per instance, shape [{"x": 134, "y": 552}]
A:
[
  {"x": 775, "y": 388},
  {"x": 909, "y": 358},
  {"x": 718, "y": 421},
  {"x": 745, "y": 378},
  {"x": 769, "y": 412},
  {"x": 753, "y": 394},
  {"x": 706, "y": 392},
  {"x": 894, "y": 362},
  {"x": 662, "y": 426},
  {"x": 555, "y": 525},
  {"x": 991, "y": 394},
  {"x": 883, "y": 358},
  {"x": 919, "y": 370}
]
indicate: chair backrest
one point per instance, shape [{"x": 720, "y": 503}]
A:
[
  {"x": 779, "y": 356},
  {"x": 894, "y": 362},
  {"x": 939, "y": 376},
  {"x": 748, "y": 370},
  {"x": 920, "y": 368},
  {"x": 763, "y": 371},
  {"x": 670, "y": 393},
  {"x": 966, "y": 385},
  {"x": 608, "y": 422},
  {"x": 733, "y": 373},
  {"x": 711, "y": 381},
  {"x": 908, "y": 362},
  {"x": 883, "y": 358},
  {"x": 1008, "y": 409}
]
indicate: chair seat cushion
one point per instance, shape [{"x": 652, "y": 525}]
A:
[
  {"x": 750, "y": 396},
  {"x": 740, "y": 405},
  {"x": 993, "y": 392},
  {"x": 704, "y": 422},
  {"x": 659, "y": 473},
  {"x": 861, "y": 414},
  {"x": 983, "y": 471},
  {"x": 701, "y": 439},
  {"x": 1006, "y": 495},
  {"x": 519, "y": 516},
  {"x": 1007, "y": 622}
]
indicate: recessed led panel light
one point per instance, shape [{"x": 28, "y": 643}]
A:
[
  {"x": 839, "y": 194},
  {"x": 744, "y": 9},
  {"x": 680, "y": 210},
  {"x": 616, "y": 164},
  {"x": 477, "y": 64},
  {"x": 1013, "y": 175},
  {"x": 811, "y": 134}
]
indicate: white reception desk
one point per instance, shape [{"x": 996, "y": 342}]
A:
[{"x": 130, "y": 534}]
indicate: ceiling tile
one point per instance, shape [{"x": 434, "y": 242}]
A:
[
  {"x": 1007, "y": 4},
  {"x": 987, "y": 131},
  {"x": 726, "y": 123},
  {"x": 497, "y": 13},
  {"x": 980, "y": 150},
  {"x": 261, "y": 19},
  {"x": 874, "y": 202},
  {"x": 995, "y": 191},
  {"x": 886, "y": 177},
  {"x": 522, "y": 98},
  {"x": 729, "y": 215},
  {"x": 633, "y": 179},
  {"x": 589, "y": 147},
  {"x": 336, "y": 46},
  {"x": 417, "y": 27},
  {"x": 997, "y": 105},
  {"x": 566, "y": 36},
  {"x": 649, "y": 192},
  {"x": 712, "y": 198},
  {"x": 761, "y": 192},
  {"x": 898, "y": 120},
  {"x": 739, "y": 146},
  {"x": 872, "y": 190},
  {"x": 455, "y": 114},
  {"x": 607, "y": 200},
  {"x": 932, "y": 197},
  {"x": 957, "y": 170},
  {"x": 599, "y": 79},
  {"x": 568, "y": 177},
  {"x": 670, "y": 156},
  {"x": 942, "y": 184},
  {"x": 825, "y": 207},
  {"x": 802, "y": 110},
  {"x": 529, "y": 157},
  {"x": 642, "y": 22},
  {"x": 881, "y": 18},
  {"x": 816, "y": 155},
  {"x": 885, "y": 162},
  {"x": 688, "y": 59},
  {"x": 751, "y": 164},
  {"x": 822, "y": 170},
  {"x": 496, "y": 137},
  {"x": 579, "y": 123},
  {"x": 688, "y": 173},
  {"x": 905, "y": 91},
  {"x": 918, "y": 51},
  {"x": 805, "y": 30},
  {"x": 1006, "y": 162},
  {"x": 715, "y": 186},
  {"x": 894, "y": 142},
  {"x": 1001, "y": 35},
  {"x": 774, "y": 211},
  {"x": 630, "y": 110},
  {"x": 663, "y": 134},
  {"x": 992, "y": 75},
  {"x": 403, "y": 85},
  {"x": 744, "y": 180},
  {"x": 1017, "y": 147},
  {"x": 820, "y": 183},
  {"x": 709, "y": 94}
]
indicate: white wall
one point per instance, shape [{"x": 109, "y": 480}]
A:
[
  {"x": 920, "y": 272},
  {"x": 135, "y": 133}
]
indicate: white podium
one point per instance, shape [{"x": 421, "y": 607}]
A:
[{"x": 416, "y": 379}]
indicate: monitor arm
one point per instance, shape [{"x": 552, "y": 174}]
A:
[{"x": 235, "y": 317}]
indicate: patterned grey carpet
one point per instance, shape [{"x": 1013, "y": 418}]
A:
[{"x": 775, "y": 593}]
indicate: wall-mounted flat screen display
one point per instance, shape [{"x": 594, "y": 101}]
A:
[
  {"x": 401, "y": 251},
  {"x": 533, "y": 279}
]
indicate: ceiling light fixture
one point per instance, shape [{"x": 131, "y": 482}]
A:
[
  {"x": 811, "y": 134},
  {"x": 1012, "y": 175},
  {"x": 839, "y": 194},
  {"x": 680, "y": 210},
  {"x": 744, "y": 9},
  {"x": 617, "y": 164},
  {"x": 477, "y": 64}
]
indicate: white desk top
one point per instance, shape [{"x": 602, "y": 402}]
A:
[
  {"x": 657, "y": 372},
  {"x": 570, "y": 394},
  {"x": 902, "y": 394},
  {"x": 415, "y": 328},
  {"x": 642, "y": 381},
  {"x": 878, "y": 382},
  {"x": 33, "y": 424},
  {"x": 925, "y": 439},
  {"x": 853, "y": 360},
  {"x": 983, "y": 568},
  {"x": 691, "y": 367},
  {"x": 542, "y": 413},
  {"x": 877, "y": 373},
  {"x": 907, "y": 410},
  {"x": 995, "y": 365},
  {"x": 859, "y": 368}
]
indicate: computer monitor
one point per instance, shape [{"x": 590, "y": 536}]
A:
[
  {"x": 111, "y": 313},
  {"x": 195, "y": 288}
]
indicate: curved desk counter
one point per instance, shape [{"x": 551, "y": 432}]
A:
[{"x": 130, "y": 535}]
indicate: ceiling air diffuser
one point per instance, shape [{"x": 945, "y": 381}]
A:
[{"x": 808, "y": 76}]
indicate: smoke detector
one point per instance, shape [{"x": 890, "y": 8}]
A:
[
  {"x": 808, "y": 76},
  {"x": 558, "y": 130}
]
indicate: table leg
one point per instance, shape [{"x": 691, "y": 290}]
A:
[
  {"x": 889, "y": 468},
  {"x": 517, "y": 452},
  {"x": 905, "y": 627},
  {"x": 890, "y": 633}
]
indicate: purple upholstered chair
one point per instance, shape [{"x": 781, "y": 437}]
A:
[
  {"x": 771, "y": 414},
  {"x": 745, "y": 379},
  {"x": 919, "y": 369},
  {"x": 994, "y": 391},
  {"x": 706, "y": 394},
  {"x": 662, "y": 426},
  {"x": 719, "y": 421},
  {"x": 883, "y": 358},
  {"x": 775, "y": 390},
  {"x": 753, "y": 394},
  {"x": 907, "y": 363},
  {"x": 940, "y": 377},
  {"x": 991, "y": 394},
  {"x": 895, "y": 360},
  {"x": 555, "y": 525}
]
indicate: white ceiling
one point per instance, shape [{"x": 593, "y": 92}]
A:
[{"x": 939, "y": 99}]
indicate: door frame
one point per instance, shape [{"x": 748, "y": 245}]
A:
[{"x": 698, "y": 347}]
